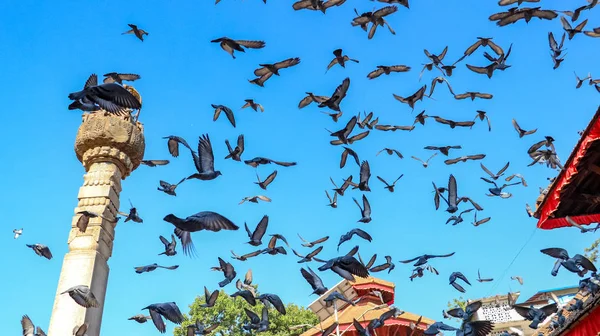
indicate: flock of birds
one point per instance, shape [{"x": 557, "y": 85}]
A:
[{"x": 114, "y": 97}]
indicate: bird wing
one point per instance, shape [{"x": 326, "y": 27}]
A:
[
  {"x": 565, "y": 24},
  {"x": 251, "y": 44},
  {"x": 472, "y": 48},
  {"x": 28, "y": 329},
  {"x": 251, "y": 254},
  {"x": 212, "y": 221},
  {"x": 452, "y": 191},
  {"x": 524, "y": 312},
  {"x": 366, "y": 206},
  {"x": 333, "y": 62},
  {"x": 261, "y": 228},
  {"x": 429, "y": 256},
  {"x": 91, "y": 81},
  {"x": 584, "y": 262},
  {"x": 475, "y": 157},
  {"x": 488, "y": 172},
  {"x": 320, "y": 240},
  {"x": 456, "y": 312},
  {"x": 287, "y": 63},
  {"x": 252, "y": 316},
  {"x": 158, "y": 321},
  {"x": 283, "y": 163},
  {"x": 298, "y": 254},
  {"x": 340, "y": 92},
  {"x": 410, "y": 260},
  {"x": 382, "y": 180},
  {"x": 365, "y": 172},
  {"x": 361, "y": 233},
  {"x": 206, "y": 156},
  {"x": 240, "y": 143},
  {"x": 473, "y": 307},
  {"x": 309, "y": 278},
  {"x": 129, "y": 77},
  {"x": 350, "y": 264},
  {"x": 46, "y": 252},
  {"x": 550, "y": 309},
  {"x": 314, "y": 252},
  {"x": 375, "y": 73},
  {"x": 164, "y": 241},
  {"x": 213, "y": 297},
  {"x": 343, "y": 159},
  {"x": 556, "y": 252},
  {"x": 371, "y": 261},
  {"x": 477, "y": 69}
]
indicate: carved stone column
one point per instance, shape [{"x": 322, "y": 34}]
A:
[{"x": 110, "y": 148}]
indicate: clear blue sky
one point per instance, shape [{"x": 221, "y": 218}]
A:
[{"x": 49, "y": 49}]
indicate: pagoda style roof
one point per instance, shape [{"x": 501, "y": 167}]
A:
[
  {"x": 368, "y": 306},
  {"x": 365, "y": 312},
  {"x": 575, "y": 191}
]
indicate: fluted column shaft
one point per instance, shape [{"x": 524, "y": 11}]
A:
[{"x": 110, "y": 148}]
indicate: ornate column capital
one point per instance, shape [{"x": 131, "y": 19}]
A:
[{"x": 104, "y": 137}]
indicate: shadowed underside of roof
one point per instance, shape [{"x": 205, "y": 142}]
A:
[{"x": 574, "y": 193}]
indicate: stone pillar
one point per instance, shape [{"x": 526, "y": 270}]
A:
[{"x": 109, "y": 147}]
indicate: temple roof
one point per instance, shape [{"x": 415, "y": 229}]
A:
[
  {"x": 574, "y": 192},
  {"x": 367, "y": 308},
  {"x": 363, "y": 313},
  {"x": 586, "y": 320}
]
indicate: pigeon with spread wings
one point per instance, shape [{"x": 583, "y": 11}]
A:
[
  {"x": 464, "y": 159},
  {"x": 346, "y": 266},
  {"x": 169, "y": 188},
  {"x": 205, "y": 161},
  {"x": 480, "y": 279},
  {"x": 314, "y": 281},
  {"x": 348, "y": 235},
  {"x": 139, "y": 33},
  {"x": 235, "y": 153},
  {"x": 365, "y": 210},
  {"x": 258, "y": 233},
  {"x": 205, "y": 220},
  {"x": 338, "y": 95},
  {"x": 424, "y": 259},
  {"x": 274, "y": 68},
  {"x": 340, "y": 59},
  {"x": 348, "y": 151},
  {"x": 424, "y": 163},
  {"x": 497, "y": 175},
  {"x": 443, "y": 149},
  {"x": 386, "y": 70},
  {"x": 390, "y": 187},
  {"x": 536, "y": 315},
  {"x": 230, "y": 45},
  {"x": 168, "y": 310},
  {"x": 263, "y": 184},
  {"x": 257, "y": 161},
  {"x": 306, "y": 243},
  {"x": 412, "y": 99}
]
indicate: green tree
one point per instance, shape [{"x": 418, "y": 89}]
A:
[
  {"x": 229, "y": 312},
  {"x": 460, "y": 302},
  {"x": 592, "y": 251}
]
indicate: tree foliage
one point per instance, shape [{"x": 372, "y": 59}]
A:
[
  {"x": 229, "y": 312},
  {"x": 457, "y": 302},
  {"x": 592, "y": 251}
]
